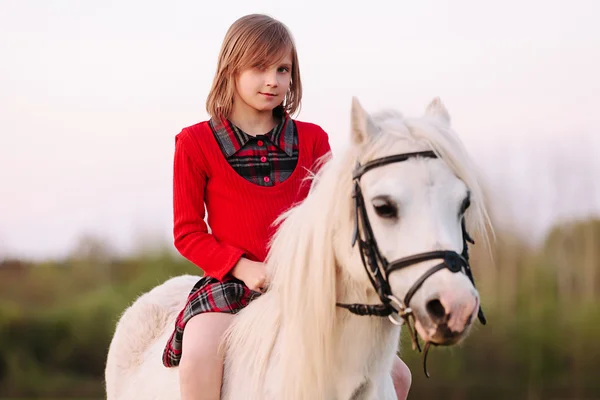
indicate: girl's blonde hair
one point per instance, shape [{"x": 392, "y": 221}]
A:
[{"x": 254, "y": 40}]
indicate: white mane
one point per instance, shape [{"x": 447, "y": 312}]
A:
[{"x": 299, "y": 310}]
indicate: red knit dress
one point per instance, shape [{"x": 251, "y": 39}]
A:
[{"x": 240, "y": 215}]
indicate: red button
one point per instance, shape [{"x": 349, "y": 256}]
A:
[
  {"x": 263, "y": 159},
  {"x": 266, "y": 179},
  {"x": 260, "y": 142}
]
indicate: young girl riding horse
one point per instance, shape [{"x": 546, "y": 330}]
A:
[{"x": 247, "y": 164}]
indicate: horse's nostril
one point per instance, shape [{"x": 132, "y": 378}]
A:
[
  {"x": 469, "y": 319},
  {"x": 436, "y": 309}
]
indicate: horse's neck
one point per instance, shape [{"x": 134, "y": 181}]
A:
[
  {"x": 364, "y": 343},
  {"x": 371, "y": 335},
  {"x": 365, "y": 350}
]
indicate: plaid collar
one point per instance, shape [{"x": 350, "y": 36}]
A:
[{"x": 232, "y": 139}]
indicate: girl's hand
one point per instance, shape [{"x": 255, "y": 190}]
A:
[{"x": 252, "y": 273}]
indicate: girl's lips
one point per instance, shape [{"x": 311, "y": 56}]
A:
[{"x": 268, "y": 94}]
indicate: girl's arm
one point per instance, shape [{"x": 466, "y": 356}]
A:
[
  {"x": 191, "y": 237},
  {"x": 321, "y": 149}
]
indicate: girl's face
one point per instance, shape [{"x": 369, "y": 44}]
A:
[{"x": 263, "y": 88}]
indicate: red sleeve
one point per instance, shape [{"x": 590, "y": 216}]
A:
[
  {"x": 191, "y": 237},
  {"x": 322, "y": 148}
]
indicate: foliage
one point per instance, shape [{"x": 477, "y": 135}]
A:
[{"x": 543, "y": 309}]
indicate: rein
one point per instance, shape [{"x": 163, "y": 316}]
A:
[{"x": 379, "y": 269}]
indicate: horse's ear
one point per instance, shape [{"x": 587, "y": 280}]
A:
[
  {"x": 437, "y": 110},
  {"x": 362, "y": 126}
]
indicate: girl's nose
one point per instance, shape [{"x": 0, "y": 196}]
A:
[{"x": 271, "y": 78}]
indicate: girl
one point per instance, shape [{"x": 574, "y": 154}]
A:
[{"x": 247, "y": 165}]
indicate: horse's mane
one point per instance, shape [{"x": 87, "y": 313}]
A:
[{"x": 299, "y": 308}]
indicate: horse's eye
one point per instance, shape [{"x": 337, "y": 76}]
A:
[{"x": 385, "y": 208}]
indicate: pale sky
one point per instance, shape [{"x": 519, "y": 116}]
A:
[{"x": 92, "y": 94}]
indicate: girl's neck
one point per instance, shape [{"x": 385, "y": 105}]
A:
[{"x": 251, "y": 121}]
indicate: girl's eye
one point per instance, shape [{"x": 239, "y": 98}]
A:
[{"x": 283, "y": 69}]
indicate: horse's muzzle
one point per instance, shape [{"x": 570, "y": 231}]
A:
[{"x": 447, "y": 319}]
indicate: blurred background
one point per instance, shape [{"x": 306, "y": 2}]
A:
[{"x": 92, "y": 94}]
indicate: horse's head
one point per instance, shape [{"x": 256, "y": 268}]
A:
[
  {"x": 415, "y": 196},
  {"x": 397, "y": 203}
]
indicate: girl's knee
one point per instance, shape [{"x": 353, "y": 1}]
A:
[
  {"x": 201, "y": 363},
  {"x": 200, "y": 355},
  {"x": 202, "y": 339},
  {"x": 402, "y": 372},
  {"x": 402, "y": 378}
]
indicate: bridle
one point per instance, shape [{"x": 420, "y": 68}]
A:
[{"x": 379, "y": 269}]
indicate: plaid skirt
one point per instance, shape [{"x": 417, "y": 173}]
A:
[{"x": 207, "y": 295}]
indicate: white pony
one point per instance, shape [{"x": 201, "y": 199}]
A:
[{"x": 297, "y": 341}]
